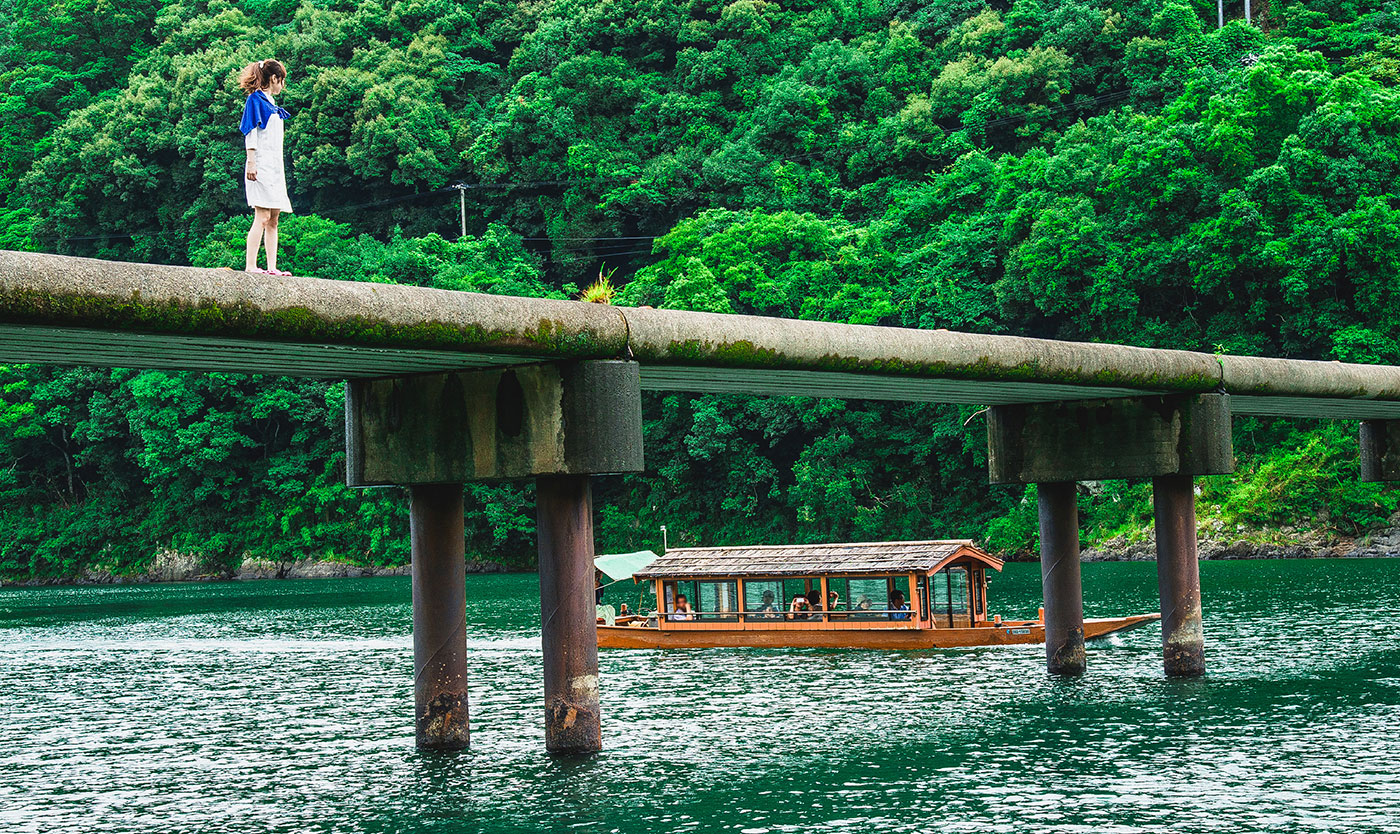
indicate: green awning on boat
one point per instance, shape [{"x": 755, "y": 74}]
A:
[{"x": 620, "y": 566}]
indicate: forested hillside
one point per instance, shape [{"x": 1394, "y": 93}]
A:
[{"x": 1080, "y": 169}]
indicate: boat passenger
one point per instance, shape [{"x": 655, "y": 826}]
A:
[
  {"x": 623, "y": 612},
  {"x": 682, "y": 611},
  {"x": 767, "y": 609},
  {"x": 814, "y": 602},
  {"x": 801, "y": 608},
  {"x": 899, "y": 608},
  {"x": 863, "y": 604}
]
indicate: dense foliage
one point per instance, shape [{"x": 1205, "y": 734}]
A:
[{"x": 1079, "y": 169}]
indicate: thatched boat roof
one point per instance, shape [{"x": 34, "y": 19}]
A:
[{"x": 813, "y": 559}]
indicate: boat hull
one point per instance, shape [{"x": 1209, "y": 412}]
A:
[{"x": 1005, "y": 634}]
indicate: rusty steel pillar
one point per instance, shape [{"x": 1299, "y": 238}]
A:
[
  {"x": 1178, "y": 575},
  {"x": 568, "y": 616},
  {"x": 439, "y": 616},
  {"x": 1060, "y": 579}
]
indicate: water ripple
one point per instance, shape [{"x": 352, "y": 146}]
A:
[{"x": 287, "y": 707}]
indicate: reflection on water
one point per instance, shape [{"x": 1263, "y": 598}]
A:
[{"x": 286, "y": 706}]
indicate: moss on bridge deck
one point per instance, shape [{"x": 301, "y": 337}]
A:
[{"x": 200, "y": 312}]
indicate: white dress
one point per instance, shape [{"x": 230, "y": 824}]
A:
[{"x": 269, "y": 190}]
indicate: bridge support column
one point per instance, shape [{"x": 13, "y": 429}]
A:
[
  {"x": 1178, "y": 576},
  {"x": 557, "y": 423},
  {"x": 567, "y": 614},
  {"x": 1380, "y": 451},
  {"x": 1060, "y": 582},
  {"x": 439, "y": 616},
  {"x": 1166, "y": 438}
]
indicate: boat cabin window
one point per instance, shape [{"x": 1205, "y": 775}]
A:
[
  {"x": 719, "y": 601},
  {"x": 796, "y": 588},
  {"x": 868, "y": 599},
  {"x": 842, "y": 586},
  {"x": 681, "y": 588},
  {"x": 763, "y": 599},
  {"x": 949, "y": 597},
  {"x": 958, "y": 587}
]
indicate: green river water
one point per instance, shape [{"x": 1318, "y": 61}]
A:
[{"x": 287, "y": 707}]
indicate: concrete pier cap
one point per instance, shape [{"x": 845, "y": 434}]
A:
[
  {"x": 1093, "y": 440},
  {"x": 523, "y": 421}
]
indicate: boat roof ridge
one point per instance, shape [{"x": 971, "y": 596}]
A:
[{"x": 967, "y": 542}]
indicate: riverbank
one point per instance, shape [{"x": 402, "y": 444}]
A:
[
  {"x": 1289, "y": 543},
  {"x": 172, "y": 566}
]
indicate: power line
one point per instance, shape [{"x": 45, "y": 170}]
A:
[
  {"x": 103, "y": 236},
  {"x": 634, "y": 237},
  {"x": 616, "y": 254},
  {"x": 386, "y": 201},
  {"x": 537, "y": 183}
]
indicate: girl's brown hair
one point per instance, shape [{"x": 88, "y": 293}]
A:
[{"x": 259, "y": 74}]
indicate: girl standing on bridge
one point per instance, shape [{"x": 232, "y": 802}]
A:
[{"x": 265, "y": 177}]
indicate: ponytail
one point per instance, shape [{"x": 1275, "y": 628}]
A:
[{"x": 259, "y": 74}]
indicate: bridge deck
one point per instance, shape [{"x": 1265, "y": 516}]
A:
[{"x": 75, "y": 311}]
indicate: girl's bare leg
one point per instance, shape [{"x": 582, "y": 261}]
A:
[
  {"x": 270, "y": 237},
  {"x": 255, "y": 235}
]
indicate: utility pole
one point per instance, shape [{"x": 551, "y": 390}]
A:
[
  {"x": 462, "y": 193},
  {"x": 1246, "y": 11},
  {"x": 1220, "y": 13}
]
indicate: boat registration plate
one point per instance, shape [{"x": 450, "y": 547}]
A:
[{"x": 1018, "y": 631}]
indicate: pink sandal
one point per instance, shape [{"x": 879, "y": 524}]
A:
[
  {"x": 257, "y": 270},
  {"x": 280, "y": 272}
]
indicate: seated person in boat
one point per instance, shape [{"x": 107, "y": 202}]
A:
[
  {"x": 623, "y": 612},
  {"x": 863, "y": 604},
  {"x": 767, "y": 609},
  {"x": 833, "y": 603},
  {"x": 899, "y": 608},
  {"x": 682, "y": 610},
  {"x": 801, "y": 608}
]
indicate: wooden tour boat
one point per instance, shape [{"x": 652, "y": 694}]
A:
[{"x": 881, "y": 595}]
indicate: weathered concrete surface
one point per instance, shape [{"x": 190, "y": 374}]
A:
[
  {"x": 76, "y": 311},
  {"x": 1178, "y": 576},
  {"x": 676, "y": 337},
  {"x": 62, "y": 291},
  {"x": 1102, "y": 439},
  {"x": 1302, "y": 378},
  {"x": 1380, "y": 450},
  {"x": 1061, "y": 584},
  {"x": 441, "y": 719},
  {"x": 573, "y": 418},
  {"x": 568, "y": 636}
]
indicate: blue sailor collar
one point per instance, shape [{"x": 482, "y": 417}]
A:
[{"x": 258, "y": 109}]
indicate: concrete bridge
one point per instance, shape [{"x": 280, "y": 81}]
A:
[{"x": 448, "y": 387}]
